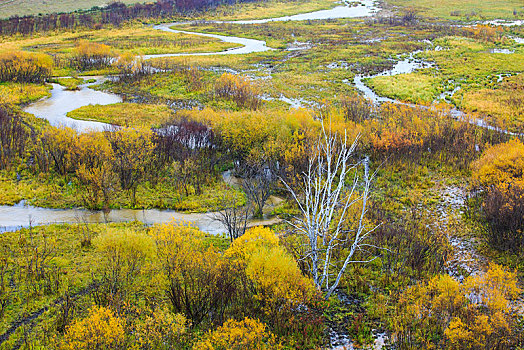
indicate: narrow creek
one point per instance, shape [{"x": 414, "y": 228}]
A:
[
  {"x": 14, "y": 217},
  {"x": 20, "y": 215},
  {"x": 62, "y": 101},
  {"x": 55, "y": 109}
]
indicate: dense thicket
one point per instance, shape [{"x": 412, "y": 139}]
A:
[
  {"x": 89, "y": 55},
  {"x": 24, "y": 67},
  {"x": 114, "y": 14},
  {"x": 499, "y": 175},
  {"x": 13, "y": 137}
]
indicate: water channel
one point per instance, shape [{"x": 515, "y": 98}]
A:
[{"x": 62, "y": 101}]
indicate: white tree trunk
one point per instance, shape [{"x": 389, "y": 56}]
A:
[{"x": 324, "y": 201}]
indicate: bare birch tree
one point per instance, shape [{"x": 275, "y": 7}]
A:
[
  {"x": 324, "y": 201},
  {"x": 233, "y": 216}
]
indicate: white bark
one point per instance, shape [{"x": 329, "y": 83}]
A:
[{"x": 324, "y": 201}]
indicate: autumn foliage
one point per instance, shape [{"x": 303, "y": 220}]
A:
[
  {"x": 499, "y": 173},
  {"x": 255, "y": 276},
  {"x": 238, "y": 89},
  {"x": 24, "y": 67},
  {"x": 248, "y": 334},
  {"x": 13, "y": 137},
  {"x": 90, "y": 55},
  {"x": 485, "y": 32},
  {"x": 475, "y": 314},
  {"x": 101, "y": 330}
]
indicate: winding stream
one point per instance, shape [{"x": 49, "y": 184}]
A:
[
  {"x": 21, "y": 215},
  {"x": 248, "y": 45},
  {"x": 62, "y": 101},
  {"x": 55, "y": 110},
  {"x": 364, "y": 8}
]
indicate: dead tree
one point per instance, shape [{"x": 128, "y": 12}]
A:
[
  {"x": 258, "y": 182},
  {"x": 233, "y": 216},
  {"x": 324, "y": 201}
]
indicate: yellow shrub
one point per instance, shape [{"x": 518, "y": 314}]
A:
[
  {"x": 91, "y": 55},
  {"x": 162, "y": 330},
  {"x": 277, "y": 276},
  {"x": 274, "y": 271},
  {"x": 238, "y": 89},
  {"x": 125, "y": 244},
  {"x": 25, "y": 67},
  {"x": 471, "y": 315},
  {"x": 501, "y": 164},
  {"x": 199, "y": 280},
  {"x": 253, "y": 239},
  {"x": 101, "y": 330},
  {"x": 247, "y": 334},
  {"x": 494, "y": 288},
  {"x": 59, "y": 146},
  {"x": 87, "y": 48}
]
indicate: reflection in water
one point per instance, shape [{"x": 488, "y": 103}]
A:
[
  {"x": 504, "y": 51},
  {"x": 21, "y": 215}
]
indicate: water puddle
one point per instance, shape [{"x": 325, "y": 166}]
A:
[
  {"x": 447, "y": 95},
  {"x": 503, "y": 51},
  {"x": 504, "y": 23},
  {"x": 403, "y": 66},
  {"x": 518, "y": 40}
]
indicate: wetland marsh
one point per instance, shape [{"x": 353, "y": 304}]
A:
[{"x": 166, "y": 180}]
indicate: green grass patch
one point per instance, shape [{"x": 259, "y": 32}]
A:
[
  {"x": 52, "y": 191},
  {"x": 267, "y": 9},
  {"x": 502, "y": 103},
  {"x": 17, "y": 93},
  {"x": 69, "y": 83},
  {"x": 465, "y": 9},
  {"x": 124, "y": 114},
  {"x": 412, "y": 87}
]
